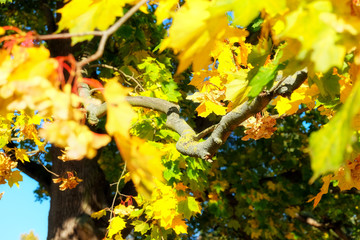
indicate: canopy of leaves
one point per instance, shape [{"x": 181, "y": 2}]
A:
[{"x": 223, "y": 114}]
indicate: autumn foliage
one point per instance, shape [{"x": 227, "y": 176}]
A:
[{"x": 178, "y": 97}]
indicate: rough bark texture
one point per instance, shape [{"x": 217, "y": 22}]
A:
[
  {"x": 70, "y": 210},
  {"x": 69, "y": 215}
]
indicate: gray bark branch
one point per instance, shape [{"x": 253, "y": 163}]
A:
[{"x": 189, "y": 143}]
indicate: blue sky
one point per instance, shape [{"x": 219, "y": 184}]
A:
[{"x": 20, "y": 213}]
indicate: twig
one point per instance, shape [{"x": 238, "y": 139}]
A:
[
  {"x": 95, "y": 89},
  {"x": 33, "y": 152},
  {"x": 117, "y": 191},
  {"x": 105, "y": 35},
  {"x": 120, "y": 71},
  {"x": 47, "y": 169},
  {"x": 205, "y": 132},
  {"x": 67, "y": 35}
]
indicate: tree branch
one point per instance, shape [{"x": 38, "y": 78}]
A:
[
  {"x": 36, "y": 172},
  {"x": 94, "y": 108},
  {"x": 189, "y": 146},
  {"x": 188, "y": 143},
  {"x": 32, "y": 169}
]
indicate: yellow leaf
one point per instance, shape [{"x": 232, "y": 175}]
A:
[
  {"x": 116, "y": 225},
  {"x": 14, "y": 178},
  {"x": 87, "y": 15},
  {"x": 21, "y": 155},
  {"x": 304, "y": 94},
  {"x": 119, "y": 112},
  {"x": 179, "y": 225},
  {"x": 196, "y": 28},
  {"x": 317, "y": 28},
  {"x": 144, "y": 164},
  {"x": 163, "y": 10},
  {"x": 208, "y": 107},
  {"x": 79, "y": 141},
  {"x": 70, "y": 182},
  {"x": 98, "y": 214},
  {"x": 126, "y": 177},
  {"x": 237, "y": 90},
  {"x": 123, "y": 210}
]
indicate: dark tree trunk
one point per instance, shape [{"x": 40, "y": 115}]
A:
[{"x": 70, "y": 210}]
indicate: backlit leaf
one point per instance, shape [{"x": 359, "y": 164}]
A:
[
  {"x": 116, "y": 225},
  {"x": 332, "y": 144},
  {"x": 87, "y": 15}
]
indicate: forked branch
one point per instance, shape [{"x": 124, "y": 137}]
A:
[{"x": 189, "y": 143}]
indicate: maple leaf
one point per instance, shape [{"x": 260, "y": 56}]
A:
[
  {"x": 237, "y": 88},
  {"x": 164, "y": 205},
  {"x": 14, "y": 178},
  {"x": 117, "y": 121},
  {"x": 1, "y": 195},
  {"x": 196, "y": 27},
  {"x": 303, "y": 95},
  {"x": 330, "y": 145},
  {"x": 141, "y": 227},
  {"x": 99, "y": 214},
  {"x": 259, "y": 127},
  {"x": 179, "y": 225},
  {"x": 249, "y": 9},
  {"x": 123, "y": 210},
  {"x": 87, "y": 15},
  {"x": 28, "y": 74},
  {"x": 21, "y": 155},
  {"x": 163, "y": 11},
  {"x": 143, "y": 161},
  {"x": 308, "y": 25},
  {"x": 79, "y": 141},
  {"x": 116, "y": 225},
  {"x": 70, "y": 182},
  {"x": 181, "y": 187},
  {"x": 6, "y": 166},
  {"x": 189, "y": 207},
  {"x": 211, "y": 95}
]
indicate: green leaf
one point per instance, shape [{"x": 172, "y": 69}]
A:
[
  {"x": 265, "y": 75},
  {"x": 136, "y": 213},
  {"x": 141, "y": 226},
  {"x": 189, "y": 207},
  {"x": 169, "y": 133},
  {"x": 234, "y": 224},
  {"x": 169, "y": 89},
  {"x": 330, "y": 145},
  {"x": 328, "y": 85}
]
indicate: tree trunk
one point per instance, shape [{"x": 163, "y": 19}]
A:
[{"x": 70, "y": 210}]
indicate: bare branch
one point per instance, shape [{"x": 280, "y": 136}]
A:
[{"x": 67, "y": 35}]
